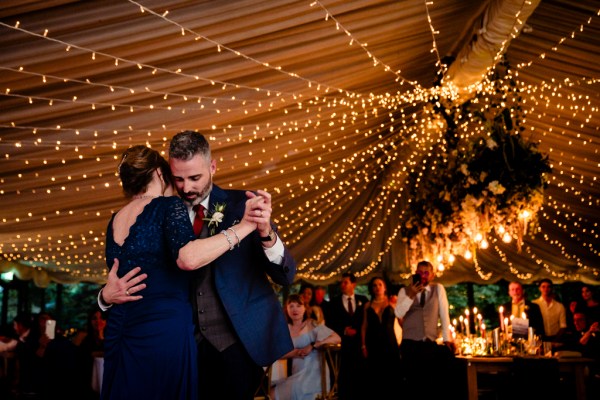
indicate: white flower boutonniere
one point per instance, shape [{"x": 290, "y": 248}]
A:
[{"x": 216, "y": 217}]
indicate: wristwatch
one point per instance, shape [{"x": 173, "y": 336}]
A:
[{"x": 271, "y": 236}]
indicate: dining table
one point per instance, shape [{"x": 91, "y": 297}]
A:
[{"x": 573, "y": 366}]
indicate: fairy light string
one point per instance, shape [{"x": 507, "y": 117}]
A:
[{"x": 381, "y": 136}]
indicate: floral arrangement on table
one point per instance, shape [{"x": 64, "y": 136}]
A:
[
  {"x": 491, "y": 181},
  {"x": 216, "y": 217}
]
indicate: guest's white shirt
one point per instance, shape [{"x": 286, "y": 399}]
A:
[
  {"x": 405, "y": 302},
  {"x": 554, "y": 315},
  {"x": 345, "y": 298}
]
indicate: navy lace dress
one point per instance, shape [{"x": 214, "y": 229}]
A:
[{"x": 150, "y": 351}]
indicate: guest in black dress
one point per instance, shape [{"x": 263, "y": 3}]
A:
[{"x": 380, "y": 345}]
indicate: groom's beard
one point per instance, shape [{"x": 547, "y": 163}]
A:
[{"x": 198, "y": 196}]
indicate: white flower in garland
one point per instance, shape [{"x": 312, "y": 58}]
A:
[{"x": 496, "y": 188}]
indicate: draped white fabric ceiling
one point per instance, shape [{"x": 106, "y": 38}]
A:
[{"x": 318, "y": 101}]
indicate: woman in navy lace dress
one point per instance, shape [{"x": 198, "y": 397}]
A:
[{"x": 150, "y": 350}]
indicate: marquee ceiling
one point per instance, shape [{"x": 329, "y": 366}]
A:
[{"x": 319, "y": 102}]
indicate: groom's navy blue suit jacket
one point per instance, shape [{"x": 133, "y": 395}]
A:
[{"x": 245, "y": 290}]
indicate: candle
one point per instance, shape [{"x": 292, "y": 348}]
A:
[
  {"x": 482, "y": 330},
  {"x": 468, "y": 322},
  {"x": 462, "y": 324},
  {"x": 501, "y": 311},
  {"x": 505, "y": 325}
]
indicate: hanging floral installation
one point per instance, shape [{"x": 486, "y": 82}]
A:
[{"x": 483, "y": 178}]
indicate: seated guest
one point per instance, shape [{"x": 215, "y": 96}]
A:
[
  {"x": 304, "y": 383},
  {"x": 520, "y": 307},
  {"x": 585, "y": 339}
]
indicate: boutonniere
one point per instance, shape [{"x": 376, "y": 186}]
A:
[
  {"x": 359, "y": 303},
  {"x": 216, "y": 217}
]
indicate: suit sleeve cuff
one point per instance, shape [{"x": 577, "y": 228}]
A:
[
  {"x": 275, "y": 253},
  {"x": 103, "y": 306}
]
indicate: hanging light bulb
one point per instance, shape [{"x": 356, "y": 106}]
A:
[
  {"x": 484, "y": 244},
  {"x": 506, "y": 238},
  {"x": 468, "y": 255},
  {"x": 525, "y": 214}
]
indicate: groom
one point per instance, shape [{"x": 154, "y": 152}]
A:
[{"x": 240, "y": 326}]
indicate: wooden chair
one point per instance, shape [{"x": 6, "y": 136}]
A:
[
  {"x": 264, "y": 389},
  {"x": 330, "y": 357}
]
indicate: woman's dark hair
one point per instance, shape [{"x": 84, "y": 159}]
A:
[
  {"x": 371, "y": 285},
  {"x": 25, "y": 319},
  {"x": 138, "y": 163}
]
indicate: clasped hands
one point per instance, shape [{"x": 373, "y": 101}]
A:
[
  {"x": 258, "y": 211},
  {"x": 123, "y": 290},
  {"x": 304, "y": 351}
]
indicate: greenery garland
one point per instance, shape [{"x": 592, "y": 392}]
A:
[{"x": 476, "y": 183}]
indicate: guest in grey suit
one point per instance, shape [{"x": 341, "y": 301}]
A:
[{"x": 239, "y": 324}]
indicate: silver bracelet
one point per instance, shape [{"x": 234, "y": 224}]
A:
[
  {"x": 236, "y": 235},
  {"x": 228, "y": 239}
]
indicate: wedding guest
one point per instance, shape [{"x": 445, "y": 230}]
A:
[
  {"x": 314, "y": 311},
  {"x": 150, "y": 351},
  {"x": 345, "y": 318},
  {"x": 587, "y": 303},
  {"x": 423, "y": 305},
  {"x": 58, "y": 357},
  {"x": 304, "y": 382},
  {"x": 232, "y": 349},
  {"x": 319, "y": 300},
  {"x": 379, "y": 343},
  {"x": 520, "y": 307},
  {"x": 25, "y": 345},
  {"x": 90, "y": 344},
  {"x": 585, "y": 339},
  {"x": 553, "y": 312}
]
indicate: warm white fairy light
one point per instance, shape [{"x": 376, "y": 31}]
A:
[{"x": 384, "y": 140}]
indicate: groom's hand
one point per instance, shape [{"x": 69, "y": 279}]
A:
[{"x": 122, "y": 290}]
